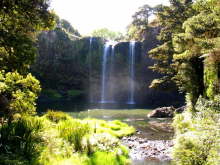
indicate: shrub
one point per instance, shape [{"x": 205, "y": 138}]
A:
[
  {"x": 56, "y": 116},
  {"x": 193, "y": 148},
  {"x": 198, "y": 135},
  {"x": 73, "y": 131},
  {"x": 18, "y": 93},
  {"x": 22, "y": 137},
  {"x": 182, "y": 122}
]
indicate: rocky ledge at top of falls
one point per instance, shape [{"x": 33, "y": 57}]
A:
[{"x": 144, "y": 149}]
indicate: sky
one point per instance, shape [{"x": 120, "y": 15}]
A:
[{"x": 89, "y": 15}]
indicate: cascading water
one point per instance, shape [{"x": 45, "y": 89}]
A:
[
  {"x": 105, "y": 72},
  {"x": 112, "y": 72},
  {"x": 131, "y": 72},
  {"x": 108, "y": 85},
  {"x": 90, "y": 69}
]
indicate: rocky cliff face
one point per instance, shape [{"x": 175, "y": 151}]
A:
[{"x": 73, "y": 68}]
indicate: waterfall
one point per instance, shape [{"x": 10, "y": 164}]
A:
[
  {"x": 108, "y": 80},
  {"x": 90, "y": 70},
  {"x": 131, "y": 72},
  {"x": 105, "y": 72},
  {"x": 112, "y": 74}
]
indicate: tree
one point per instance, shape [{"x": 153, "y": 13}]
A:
[
  {"x": 139, "y": 25},
  {"x": 19, "y": 22},
  {"x": 201, "y": 34},
  {"x": 189, "y": 30},
  {"x": 107, "y": 34},
  {"x": 68, "y": 27},
  {"x": 170, "y": 19}
]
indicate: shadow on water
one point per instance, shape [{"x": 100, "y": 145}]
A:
[
  {"x": 66, "y": 106},
  {"x": 151, "y": 129},
  {"x": 78, "y": 106}
]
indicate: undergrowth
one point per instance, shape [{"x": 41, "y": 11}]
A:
[
  {"x": 197, "y": 139},
  {"x": 58, "y": 139}
]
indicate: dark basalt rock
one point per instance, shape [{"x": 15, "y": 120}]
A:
[
  {"x": 163, "y": 112},
  {"x": 180, "y": 109}
]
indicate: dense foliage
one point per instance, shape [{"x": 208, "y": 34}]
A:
[
  {"x": 188, "y": 54},
  {"x": 186, "y": 36},
  {"x": 19, "y": 22},
  {"x": 57, "y": 138},
  {"x": 108, "y": 34},
  {"x": 170, "y": 20},
  {"x": 200, "y": 36},
  {"x": 189, "y": 33},
  {"x": 197, "y": 135},
  {"x": 139, "y": 26},
  {"x": 18, "y": 93}
]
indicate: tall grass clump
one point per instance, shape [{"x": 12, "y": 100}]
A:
[
  {"x": 197, "y": 139},
  {"x": 56, "y": 116},
  {"x": 21, "y": 138},
  {"x": 73, "y": 131}
]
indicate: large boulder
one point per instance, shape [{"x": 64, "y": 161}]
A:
[
  {"x": 162, "y": 112},
  {"x": 180, "y": 109},
  {"x": 165, "y": 112}
]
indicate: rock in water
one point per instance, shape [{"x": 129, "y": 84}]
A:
[
  {"x": 180, "y": 109},
  {"x": 163, "y": 112}
]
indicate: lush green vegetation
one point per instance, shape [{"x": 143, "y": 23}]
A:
[
  {"x": 57, "y": 138},
  {"x": 188, "y": 56},
  {"x": 108, "y": 34},
  {"x": 20, "y": 22},
  {"x": 197, "y": 135}
]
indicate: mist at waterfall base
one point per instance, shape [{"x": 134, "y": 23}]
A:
[
  {"x": 124, "y": 78},
  {"x": 117, "y": 83},
  {"x": 109, "y": 84}
]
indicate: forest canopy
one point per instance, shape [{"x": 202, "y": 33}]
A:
[
  {"x": 20, "y": 21},
  {"x": 188, "y": 30}
]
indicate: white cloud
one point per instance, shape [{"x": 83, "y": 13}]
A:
[{"x": 88, "y": 15}]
